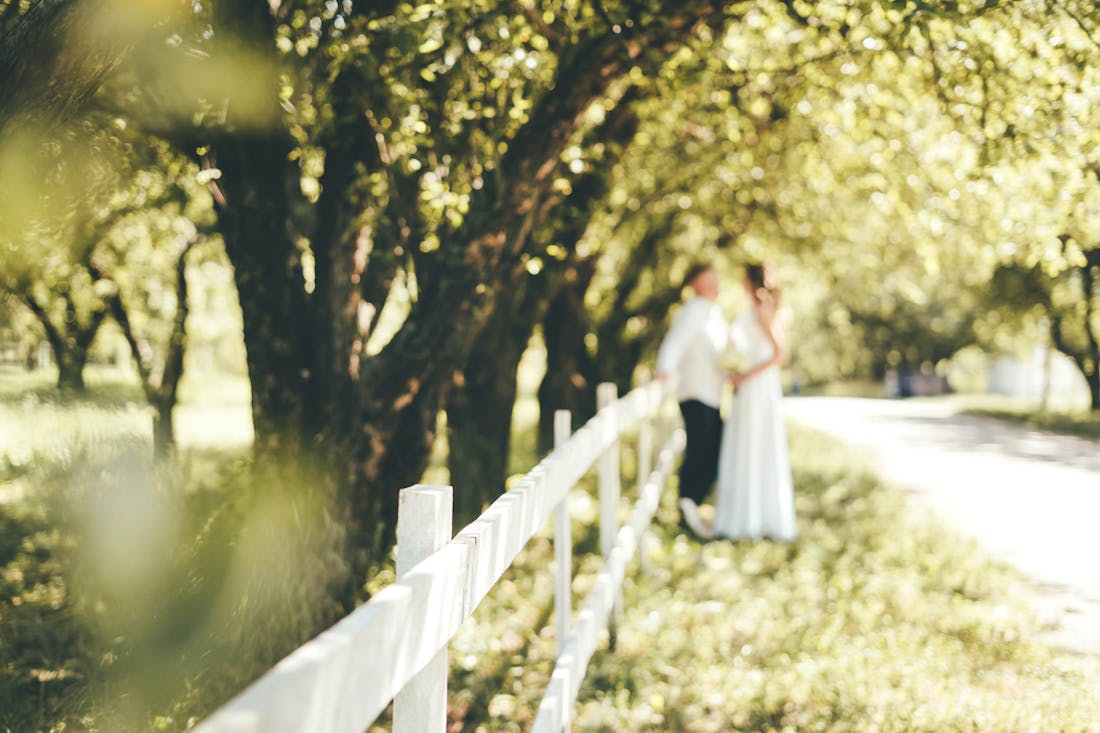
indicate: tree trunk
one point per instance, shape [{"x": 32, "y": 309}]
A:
[
  {"x": 482, "y": 402},
  {"x": 1088, "y": 366},
  {"x": 391, "y": 451},
  {"x": 399, "y": 392},
  {"x": 567, "y": 384},
  {"x": 166, "y": 394},
  {"x": 260, "y": 242},
  {"x": 1048, "y": 374},
  {"x": 479, "y": 428},
  {"x": 572, "y": 370},
  {"x": 161, "y": 390},
  {"x": 1093, "y": 379},
  {"x": 1092, "y": 371},
  {"x": 164, "y": 434},
  {"x": 70, "y": 369},
  {"x": 480, "y": 405},
  {"x": 258, "y": 203},
  {"x": 619, "y": 348},
  {"x": 69, "y": 346}
]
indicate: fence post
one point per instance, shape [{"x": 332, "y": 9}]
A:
[
  {"x": 559, "y": 687},
  {"x": 645, "y": 462},
  {"x": 563, "y": 540},
  {"x": 606, "y": 395},
  {"x": 645, "y": 436},
  {"x": 423, "y": 526}
]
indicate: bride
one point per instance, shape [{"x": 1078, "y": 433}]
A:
[{"x": 755, "y": 496}]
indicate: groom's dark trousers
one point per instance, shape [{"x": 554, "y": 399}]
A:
[{"x": 703, "y": 425}]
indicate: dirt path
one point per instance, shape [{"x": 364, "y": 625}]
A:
[{"x": 1031, "y": 498}]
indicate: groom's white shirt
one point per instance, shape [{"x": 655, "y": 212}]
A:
[{"x": 692, "y": 351}]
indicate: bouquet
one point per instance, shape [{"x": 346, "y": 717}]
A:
[{"x": 734, "y": 362}]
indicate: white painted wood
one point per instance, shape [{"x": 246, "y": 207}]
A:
[
  {"x": 644, "y": 468},
  {"x": 502, "y": 531},
  {"x": 423, "y": 527},
  {"x": 645, "y": 445},
  {"x": 609, "y": 482},
  {"x": 595, "y": 614},
  {"x": 342, "y": 680},
  {"x": 558, "y": 715},
  {"x": 563, "y": 539}
]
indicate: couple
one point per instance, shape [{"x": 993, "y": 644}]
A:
[{"x": 748, "y": 455}]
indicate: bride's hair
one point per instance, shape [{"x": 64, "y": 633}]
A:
[
  {"x": 696, "y": 269},
  {"x": 764, "y": 283}
]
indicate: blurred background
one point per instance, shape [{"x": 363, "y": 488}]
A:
[{"x": 264, "y": 264}]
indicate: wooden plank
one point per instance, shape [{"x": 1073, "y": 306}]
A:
[
  {"x": 598, "y": 607},
  {"x": 563, "y": 540},
  {"x": 340, "y": 681},
  {"x": 610, "y": 486},
  {"x": 423, "y": 527},
  {"x": 509, "y": 523},
  {"x": 344, "y": 678},
  {"x": 556, "y": 705}
]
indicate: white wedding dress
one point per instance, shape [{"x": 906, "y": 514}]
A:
[{"x": 755, "y": 497}]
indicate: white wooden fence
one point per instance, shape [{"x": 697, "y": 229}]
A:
[{"x": 394, "y": 647}]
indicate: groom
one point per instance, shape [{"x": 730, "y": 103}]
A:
[{"x": 691, "y": 352}]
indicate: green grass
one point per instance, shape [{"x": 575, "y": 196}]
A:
[
  {"x": 1082, "y": 423},
  {"x": 104, "y": 562},
  {"x": 39, "y": 427},
  {"x": 878, "y": 618},
  {"x": 849, "y": 388}
]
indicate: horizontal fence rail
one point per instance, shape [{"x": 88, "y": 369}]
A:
[
  {"x": 553, "y": 714},
  {"x": 343, "y": 679}
]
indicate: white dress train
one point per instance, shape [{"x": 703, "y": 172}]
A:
[{"x": 755, "y": 496}]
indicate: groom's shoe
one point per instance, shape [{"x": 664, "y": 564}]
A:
[{"x": 690, "y": 519}]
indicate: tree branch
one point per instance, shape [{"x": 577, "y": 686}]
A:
[
  {"x": 535, "y": 19},
  {"x": 177, "y": 340},
  {"x": 86, "y": 334},
  {"x": 139, "y": 347},
  {"x": 53, "y": 334},
  {"x": 1058, "y": 338},
  {"x": 1081, "y": 24},
  {"x": 1088, "y": 282}
]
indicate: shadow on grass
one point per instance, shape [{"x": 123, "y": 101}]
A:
[
  {"x": 1080, "y": 424},
  {"x": 44, "y": 648},
  {"x": 105, "y": 388},
  {"x": 877, "y": 617},
  {"x": 135, "y": 597}
]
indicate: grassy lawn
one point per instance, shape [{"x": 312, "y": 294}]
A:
[
  {"x": 1081, "y": 423},
  {"x": 40, "y": 429},
  {"x": 95, "y": 555},
  {"x": 852, "y": 388},
  {"x": 878, "y": 618}
]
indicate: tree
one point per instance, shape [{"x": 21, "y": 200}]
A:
[
  {"x": 159, "y": 366},
  {"x": 389, "y": 131},
  {"x": 121, "y": 253},
  {"x": 1066, "y": 300},
  {"x": 1075, "y": 331},
  {"x": 302, "y": 271},
  {"x": 69, "y": 332},
  {"x": 480, "y": 403},
  {"x": 58, "y": 290},
  {"x": 425, "y": 145}
]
